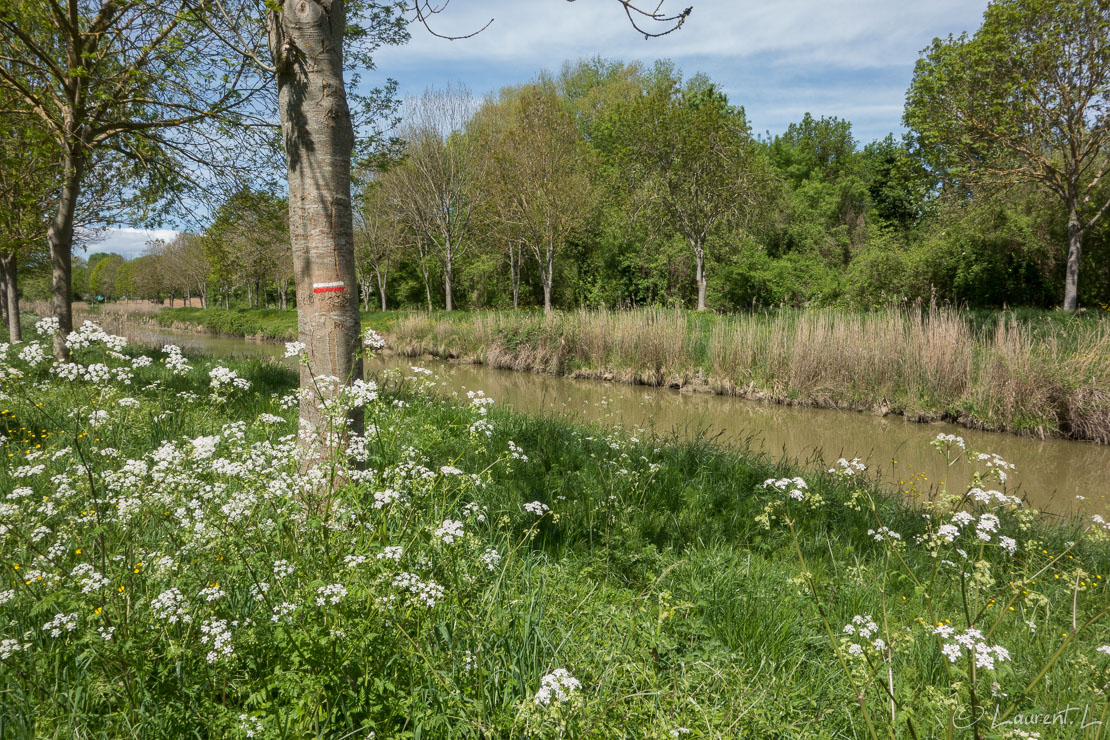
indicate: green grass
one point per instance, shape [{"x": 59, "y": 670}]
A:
[
  {"x": 651, "y": 581},
  {"x": 267, "y": 323}
]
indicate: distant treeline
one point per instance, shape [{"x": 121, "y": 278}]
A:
[{"x": 617, "y": 185}]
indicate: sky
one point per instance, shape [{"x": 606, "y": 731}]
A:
[{"x": 780, "y": 59}]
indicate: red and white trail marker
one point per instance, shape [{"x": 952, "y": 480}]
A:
[{"x": 328, "y": 287}]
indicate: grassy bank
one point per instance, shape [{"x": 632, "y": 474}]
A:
[
  {"x": 171, "y": 569},
  {"x": 261, "y": 323},
  {"x": 1038, "y": 374}
]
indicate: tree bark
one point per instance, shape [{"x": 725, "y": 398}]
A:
[
  {"x": 11, "y": 297},
  {"x": 515, "y": 257},
  {"x": 59, "y": 237},
  {"x": 548, "y": 277},
  {"x": 699, "y": 254},
  {"x": 3, "y": 299},
  {"x": 381, "y": 284},
  {"x": 448, "y": 297},
  {"x": 1075, "y": 247},
  {"x": 306, "y": 41}
]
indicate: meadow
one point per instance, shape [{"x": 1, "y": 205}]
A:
[{"x": 173, "y": 567}]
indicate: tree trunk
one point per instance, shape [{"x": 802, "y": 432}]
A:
[
  {"x": 699, "y": 253},
  {"x": 515, "y": 258},
  {"x": 3, "y": 299},
  {"x": 11, "y": 294},
  {"x": 548, "y": 278},
  {"x": 382, "y": 277},
  {"x": 59, "y": 238},
  {"x": 449, "y": 298},
  {"x": 306, "y": 40},
  {"x": 1075, "y": 247}
]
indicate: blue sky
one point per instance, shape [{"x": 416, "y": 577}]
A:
[{"x": 778, "y": 58}]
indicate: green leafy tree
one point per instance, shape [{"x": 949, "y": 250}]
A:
[
  {"x": 1024, "y": 100},
  {"x": 134, "y": 80},
  {"x": 542, "y": 178},
  {"x": 693, "y": 161}
]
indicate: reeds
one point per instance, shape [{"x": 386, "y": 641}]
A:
[{"x": 1042, "y": 379}]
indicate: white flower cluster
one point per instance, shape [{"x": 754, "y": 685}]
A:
[
  {"x": 996, "y": 464},
  {"x": 449, "y": 531},
  {"x": 212, "y": 593},
  {"x": 795, "y": 487},
  {"x": 89, "y": 580},
  {"x": 516, "y": 453},
  {"x": 481, "y": 427},
  {"x": 283, "y": 568},
  {"x": 251, "y": 726},
  {"x": 282, "y": 612},
  {"x": 386, "y": 497},
  {"x": 47, "y": 327},
  {"x": 373, "y": 340},
  {"x": 205, "y": 447},
  {"x": 972, "y": 642},
  {"x": 391, "y": 552},
  {"x": 537, "y": 507},
  {"x": 847, "y": 468},
  {"x": 61, "y": 623},
  {"x": 332, "y": 594},
  {"x": 884, "y": 533},
  {"x": 419, "y": 590},
  {"x": 9, "y": 647},
  {"x": 863, "y": 627},
  {"x": 491, "y": 558},
  {"x": 944, "y": 440},
  {"x": 224, "y": 379},
  {"x": 89, "y": 334},
  {"x": 215, "y": 634},
  {"x": 997, "y": 498},
  {"x": 480, "y": 401},
  {"x": 176, "y": 361},
  {"x": 295, "y": 349},
  {"x": 558, "y": 686},
  {"x": 171, "y": 606}
]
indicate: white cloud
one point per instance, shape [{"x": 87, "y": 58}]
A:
[{"x": 129, "y": 243}]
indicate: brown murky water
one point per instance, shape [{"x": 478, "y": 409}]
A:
[{"x": 1051, "y": 474}]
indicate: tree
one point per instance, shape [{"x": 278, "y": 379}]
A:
[
  {"x": 378, "y": 233},
  {"x": 694, "y": 160},
  {"x": 135, "y": 79},
  {"x": 543, "y": 177},
  {"x": 26, "y": 186},
  {"x": 1024, "y": 100},
  {"x": 438, "y": 179}
]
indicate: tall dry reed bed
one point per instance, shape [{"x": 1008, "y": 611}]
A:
[{"x": 1041, "y": 377}]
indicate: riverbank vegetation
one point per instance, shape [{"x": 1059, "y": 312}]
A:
[
  {"x": 168, "y": 557},
  {"x": 1027, "y": 372}
]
